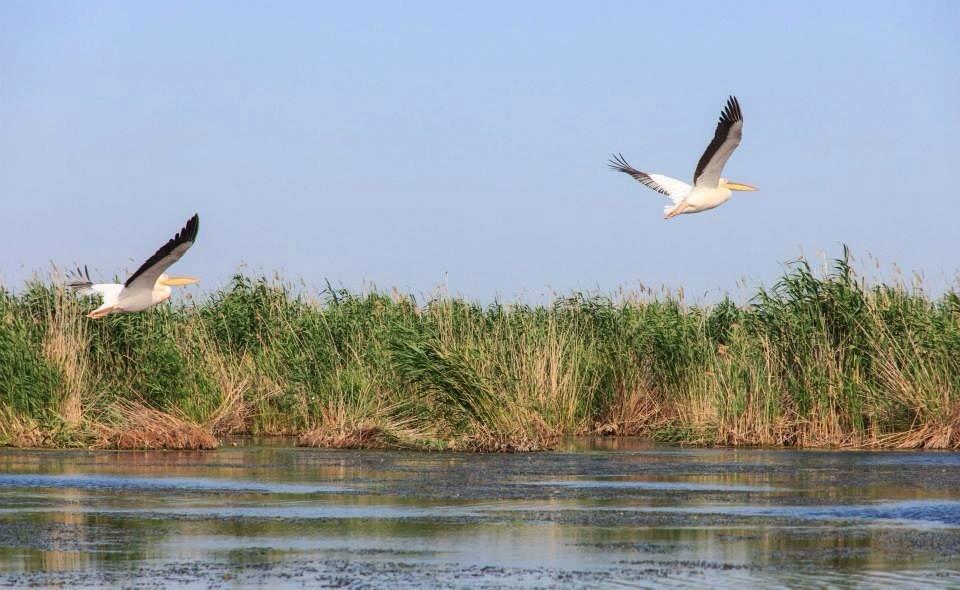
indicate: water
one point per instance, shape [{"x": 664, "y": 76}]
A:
[{"x": 609, "y": 514}]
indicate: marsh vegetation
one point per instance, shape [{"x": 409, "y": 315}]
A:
[{"x": 818, "y": 359}]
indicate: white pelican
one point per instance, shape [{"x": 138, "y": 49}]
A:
[
  {"x": 148, "y": 286},
  {"x": 709, "y": 189}
]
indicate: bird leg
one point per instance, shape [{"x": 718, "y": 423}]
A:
[
  {"x": 99, "y": 313},
  {"x": 675, "y": 211}
]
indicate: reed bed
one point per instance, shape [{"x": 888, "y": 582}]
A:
[{"x": 816, "y": 360}]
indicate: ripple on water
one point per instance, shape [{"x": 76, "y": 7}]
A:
[
  {"x": 121, "y": 483},
  {"x": 920, "y": 513},
  {"x": 946, "y": 512},
  {"x": 650, "y": 485}
]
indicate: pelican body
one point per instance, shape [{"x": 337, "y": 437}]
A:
[
  {"x": 709, "y": 189},
  {"x": 148, "y": 286}
]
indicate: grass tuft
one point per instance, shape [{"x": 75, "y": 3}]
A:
[{"x": 134, "y": 425}]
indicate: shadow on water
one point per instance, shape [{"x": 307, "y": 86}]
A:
[{"x": 598, "y": 512}]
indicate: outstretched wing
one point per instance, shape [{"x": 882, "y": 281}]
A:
[
  {"x": 79, "y": 281},
  {"x": 148, "y": 273},
  {"x": 671, "y": 187},
  {"x": 725, "y": 140}
]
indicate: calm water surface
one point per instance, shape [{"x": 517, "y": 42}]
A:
[{"x": 616, "y": 514}]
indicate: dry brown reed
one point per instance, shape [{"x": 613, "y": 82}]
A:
[
  {"x": 134, "y": 425},
  {"x": 65, "y": 343}
]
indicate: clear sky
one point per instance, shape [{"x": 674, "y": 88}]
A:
[{"x": 417, "y": 144}]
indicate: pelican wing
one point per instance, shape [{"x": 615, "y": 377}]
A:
[
  {"x": 148, "y": 273},
  {"x": 671, "y": 187},
  {"x": 725, "y": 140},
  {"x": 79, "y": 281}
]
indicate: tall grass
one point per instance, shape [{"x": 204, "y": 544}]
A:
[{"x": 815, "y": 360}]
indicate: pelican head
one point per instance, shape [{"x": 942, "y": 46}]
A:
[
  {"x": 169, "y": 281},
  {"x": 736, "y": 186}
]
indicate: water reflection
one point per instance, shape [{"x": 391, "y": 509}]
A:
[{"x": 595, "y": 514}]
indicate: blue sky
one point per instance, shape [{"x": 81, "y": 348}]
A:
[{"x": 417, "y": 144}]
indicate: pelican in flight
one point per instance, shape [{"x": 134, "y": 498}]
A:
[
  {"x": 709, "y": 189},
  {"x": 148, "y": 286}
]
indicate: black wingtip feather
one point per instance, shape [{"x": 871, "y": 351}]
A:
[
  {"x": 619, "y": 163},
  {"x": 187, "y": 234},
  {"x": 79, "y": 279},
  {"x": 731, "y": 112}
]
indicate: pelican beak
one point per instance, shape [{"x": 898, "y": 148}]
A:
[
  {"x": 179, "y": 281},
  {"x": 739, "y": 186}
]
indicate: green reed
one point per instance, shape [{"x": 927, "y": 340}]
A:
[{"x": 814, "y": 360}]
